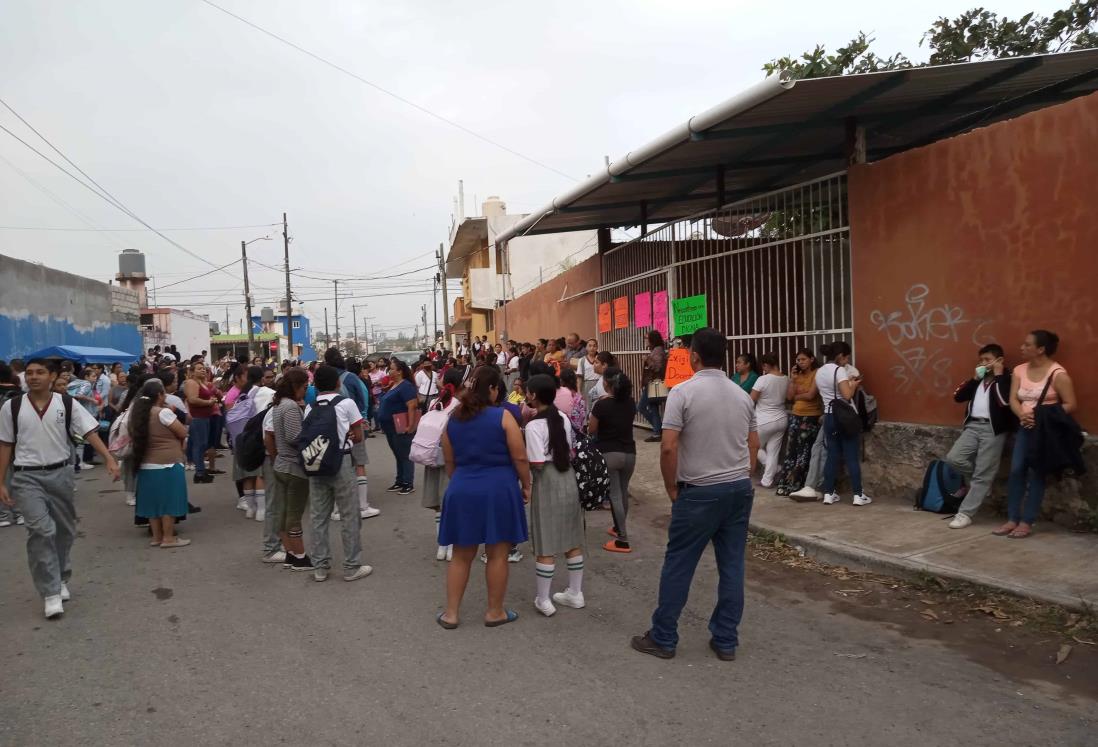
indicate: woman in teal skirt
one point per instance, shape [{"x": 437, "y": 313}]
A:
[{"x": 157, "y": 461}]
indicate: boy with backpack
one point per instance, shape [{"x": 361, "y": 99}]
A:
[
  {"x": 352, "y": 387},
  {"x": 37, "y": 431},
  {"x": 331, "y": 428}
]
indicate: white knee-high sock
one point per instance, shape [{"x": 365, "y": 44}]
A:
[
  {"x": 545, "y": 573},
  {"x": 438, "y": 523},
  {"x": 363, "y": 493},
  {"x": 249, "y": 497},
  {"x": 259, "y": 499},
  {"x": 575, "y": 574}
]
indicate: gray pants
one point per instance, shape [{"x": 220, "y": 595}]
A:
[
  {"x": 324, "y": 493},
  {"x": 815, "y": 475},
  {"x": 8, "y": 513},
  {"x": 45, "y": 500},
  {"x": 976, "y": 455},
  {"x": 271, "y": 541},
  {"x": 621, "y": 467}
]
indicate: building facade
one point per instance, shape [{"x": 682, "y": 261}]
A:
[{"x": 269, "y": 321}]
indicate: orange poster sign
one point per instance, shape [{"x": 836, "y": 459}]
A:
[
  {"x": 605, "y": 321},
  {"x": 621, "y": 312},
  {"x": 678, "y": 367}
]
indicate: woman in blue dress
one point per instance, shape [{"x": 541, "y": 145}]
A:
[{"x": 486, "y": 460}]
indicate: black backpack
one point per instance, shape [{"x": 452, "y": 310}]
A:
[
  {"x": 940, "y": 487},
  {"x": 592, "y": 474},
  {"x": 321, "y": 451},
  {"x": 249, "y": 448}
]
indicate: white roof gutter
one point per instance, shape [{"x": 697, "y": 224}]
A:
[{"x": 762, "y": 91}]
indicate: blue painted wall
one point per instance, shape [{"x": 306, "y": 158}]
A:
[
  {"x": 26, "y": 335},
  {"x": 303, "y": 335}
]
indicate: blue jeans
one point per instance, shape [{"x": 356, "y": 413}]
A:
[
  {"x": 650, "y": 411},
  {"x": 846, "y": 447},
  {"x": 1021, "y": 478},
  {"x": 401, "y": 446},
  {"x": 717, "y": 514},
  {"x": 198, "y": 441}
]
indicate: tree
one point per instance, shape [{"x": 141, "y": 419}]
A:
[{"x": 976, "y": 34}]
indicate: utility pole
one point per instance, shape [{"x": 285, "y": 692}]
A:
[
  {"x": 226, "y": 319},
  {"x": 289, "y": 301},
  {"x": 247, "y": 298},
  {"x": 423, "y": 308},
  {"x": 327, "y": 339},
  {"x": 434, "y": 300},
  {"x": 445, "y": 299},
  {"x": 335, "y": 284}
]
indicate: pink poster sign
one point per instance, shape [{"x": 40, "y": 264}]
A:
[
  {"x": 659, "y": 313},
  {"x": 642, "y": 310}
]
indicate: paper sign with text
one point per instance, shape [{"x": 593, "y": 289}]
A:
[
  {"x": 691, "y": 314},
  {"x": 678, "y": 367},
  {"x": 605, "y": 319},
  {"x": 621, "y": 312},
  {"x": 659, "y": 313},
  {"x": 642, "y": 310}
]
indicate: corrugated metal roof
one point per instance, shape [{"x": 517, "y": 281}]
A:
[{"x": 782, "y": 132}]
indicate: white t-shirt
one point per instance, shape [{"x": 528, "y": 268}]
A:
[
  {"x": 587, "y": 370},
  {"x": 262, "y": 397},
  {"x": 176, "y": 402},
  {"x": 981, "y": 407},
  {"x": 771, "y": 405},
  {"x": 537, "y": 439},
  {"x": 427, "y": 383},
  {"x": 826, "y": 381},
  {"x": 347, "y": 415},
  {"x": 513, "y": 363},
  {"x": 502, "y": 358},
  {"x": 42, "y": 438}
]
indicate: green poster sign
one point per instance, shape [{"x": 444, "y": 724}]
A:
[{"x": 690, "y": 314}]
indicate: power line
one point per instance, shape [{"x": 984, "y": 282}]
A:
[
  {"x": 138, "y": 230},
  {"x": 196, "y": 277},
  {"x": 387, "y": 92}
]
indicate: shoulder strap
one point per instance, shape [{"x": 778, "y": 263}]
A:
[
  {"x": 66, "y": 400},
  {"x": 1048, "y": 383},
  {"x": 835, "y": 383},
  {"x": 16, "y": 403}
]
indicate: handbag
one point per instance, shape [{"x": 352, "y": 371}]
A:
[
  {"x": 847, "y": 421},
  {"x": 656, "y": 389},
  {"x": 400, "y": 423}
]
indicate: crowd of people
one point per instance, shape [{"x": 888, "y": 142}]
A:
[{"x": 497, "y": 430}]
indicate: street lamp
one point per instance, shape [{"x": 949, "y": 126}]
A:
[{"x": 247, "y": 291}]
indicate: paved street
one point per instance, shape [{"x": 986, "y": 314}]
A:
[{"x": 206, "y": 644}]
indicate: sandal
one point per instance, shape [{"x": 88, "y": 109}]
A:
[
  {"x": 154, "y": 543},
  {"x": 1020, "y": 533},
  {"x": 1006, "y": 529},
  {"x": 443, "y": 623},
  {"x": 177, "y": 542},
  {"x": 511, "y": 616}
]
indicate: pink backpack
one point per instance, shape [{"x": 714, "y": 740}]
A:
[{"x": 427, "y": 444}]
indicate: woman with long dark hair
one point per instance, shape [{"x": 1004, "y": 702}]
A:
[
  {"x": 486, "y": 462},
  {"x": 398, "y": 415},
  {"x": 245, "y": 379},
  {"x": 654, "y": 364},
  {"x": 803, "y": 426},
  {"x": 435, "y": 479},
  {"x": 157, "y": 461},
  {"x": 768, "y": 392},
  {"x": 834, "y": 382},
  {"x": 201, "y": 399},
  {"x": 556, "y": 517},
  {"x": 577, "y": 411},
  {"x": 281, "y": 427},
  {"x": 611, "y": 426}
]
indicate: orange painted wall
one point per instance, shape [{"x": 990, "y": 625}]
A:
[
  {"x": 539, "y": 314},
  {"x": 979, "y": 238}
]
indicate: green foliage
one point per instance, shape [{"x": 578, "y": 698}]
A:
[{"x": 974, "y": 35}]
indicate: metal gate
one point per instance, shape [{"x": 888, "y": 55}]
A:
[{"x": 775, "y": 270}]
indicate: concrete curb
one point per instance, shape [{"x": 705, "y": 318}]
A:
[{"x": 862, "y": 558}]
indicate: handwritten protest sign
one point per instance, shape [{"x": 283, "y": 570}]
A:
[
  {"x": 642, "y": 310},
  {"x": 659, "y": 313},
  {"x": 691, "y": 313},
  {"x": 605, "y": 321},
  {"x": 678, "y": 367},
  {"x": 621, "y": 312}
]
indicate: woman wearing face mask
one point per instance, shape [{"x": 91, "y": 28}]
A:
[
  {"x": 804, "y": 424},
  {"x": 1040, "y": 381}
]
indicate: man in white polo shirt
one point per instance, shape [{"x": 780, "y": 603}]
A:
[{"x": 40, "y": 440}]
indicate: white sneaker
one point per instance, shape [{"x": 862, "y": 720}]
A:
[
  {"x": 249, "y": 513},
  {"x": 54, "y": 608},
  {"x": 862, "y": 500},
  {"x": 369, "y": 513},
  {"x": 545, "y": 607},
  {"x": 260, "y": 514},
  {"x": 320, "y": 574},
  {"x": 960, "y": 521},
  {"x": 278, "y": 556},
  {"x": 830, "y": 498},
  {"x": 189, "y": 467},
  {"x": 514, "y": 556},
  {"x": 335, "y": 516},
  {"x": 131, "y": 499},
  {"x": 66, "y": 595},
  {"x": 5, "y": 523},
  {"x": 570, "y": 598},
  {"x": 441, "y": 553},
  {"x": 20, "y": 521},
  {"x": 806, "y": 492},
  {"x": 449, "y": 553},
  {"x": 362, "y": 572},
  {"x": 85, "y": 465},
  {"x": 242, "y": 504}
]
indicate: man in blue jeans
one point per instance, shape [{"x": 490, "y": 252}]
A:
[{"x": 706, "y": 457}]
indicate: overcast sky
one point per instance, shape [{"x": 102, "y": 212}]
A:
[{"x": 192, "y": 119}]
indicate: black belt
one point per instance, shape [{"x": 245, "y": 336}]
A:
[
  {"x": 41, "y": 468},
  {"x": 979, "y": 420}
]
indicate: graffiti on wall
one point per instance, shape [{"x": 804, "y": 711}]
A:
[{"x": 923, "y": 335}]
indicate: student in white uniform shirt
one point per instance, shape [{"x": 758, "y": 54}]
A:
[
  {"x": 769, "y": 392},
  {"x": 37, "y": 449}
]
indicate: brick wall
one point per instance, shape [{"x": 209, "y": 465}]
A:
[{"x": 540, "y": 313}]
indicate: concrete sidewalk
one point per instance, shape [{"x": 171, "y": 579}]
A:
[{"x": 1053, "y": 565}]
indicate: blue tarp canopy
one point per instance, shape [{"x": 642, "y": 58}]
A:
[{"x": 84, "y": 355}]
